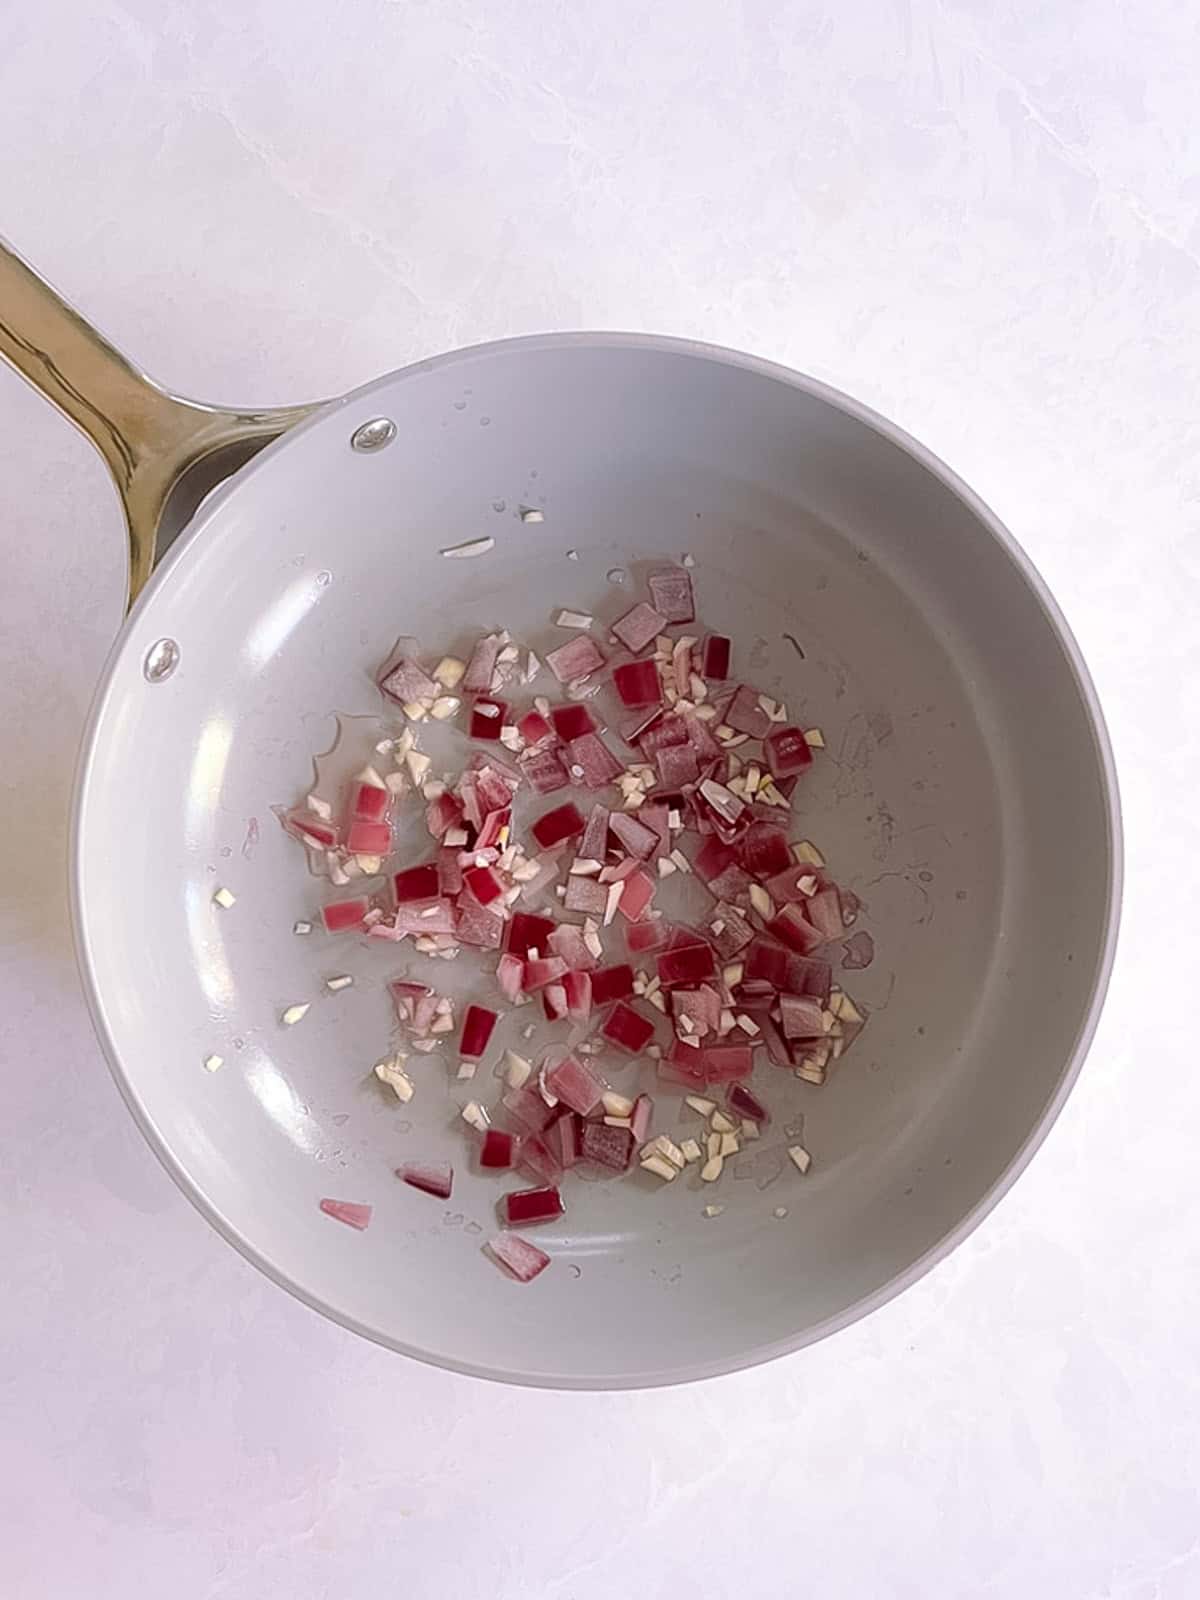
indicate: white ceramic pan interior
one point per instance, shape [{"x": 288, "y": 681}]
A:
[{"x": 966, "y": 795}]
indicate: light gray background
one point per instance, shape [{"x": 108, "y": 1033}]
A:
[{"x": 981, "y": 219}]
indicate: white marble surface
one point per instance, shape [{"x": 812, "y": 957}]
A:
[{"x": 981, "y": 218}]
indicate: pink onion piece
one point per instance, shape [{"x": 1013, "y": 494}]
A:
[
  {"x": 735, "y": 932},
  {"x": 539, "y": 1154},
  {"x": 546, "y": 969},
  {"x": 572, "y": 721},
  {"x": 724, "y": 1062},
  {"x": 637, "y": 684},
  {"x": 664, "y": 732},
  {"x": 694, "y": 964},
  {"x": 578, "y": 989},
  {"x": 425, "y": 917},
  {"x": 701, "y": 1007},
  {"x": 586, "y": 895},
  {"x": 643, "y": 1111},
  {"x": 491, "y": 828},
  {"x": 671, "y": 594},
  {"x": 518, "y": 1256},
  {"x": 792, "y": 927},
  {"x": 407, "y": 682},
  {"x": 527, "y": 931},
  {"x": 488, "y": 716},
  {"x": 482, "y": 666},
  {"x": 443, "y": 813},
  {"x": 450, "y": 873},
  {"x": 681, "y": 667},
  {"x": 554, "y": 1001},
  {"x": 801, "y": 1017},
  {"x": 639, "y": 840},
  {"x": 478, "y": 1023},
  {"x": 636, "y": 896},
  {"x": 746, "y": 715},
  {"x": 526, "y": 1206},
  {"x": 626, "y": 1029},
  {"x": 533, "y": 728},
  {"x": 553, "y": 827},
  {"x": 545, "y": 771},
  {"x": 304, "y": 824},
  {"x": 350, "y": 1212},
  {"x": 718, "y": 652},
  {"x": 575, "y": 1085},
  {"x": 764, "y": 850},
  {"x": 574, "y": 660},
  {"x": 431, "y": 1177},
  {"x": 677, "y": 764},
  {"x": 510, "y": 976},
  {"x": 784, "y": 887},
  {"x": 527, "y": 1109},
  {"x": 642, "y": 937},
  {"x": 787, "y": 752},
  {"x": 824, "y": 911},
  {"x": 610, "y": 1148},
  {"x": 341, "y": 915},
  {"x": 745, "y": 1103},
  {"x": 599, "y": 765},
  {"x": 568, "y": 941},
  {"x": 369, "y": 803},
  {"x": 858, "y": 951},
  {"x": 483, "y": 883},
  {"x": 594, "y": 844},
  {"x": 478, "y": 925},
  {"x": 564, "y": 1138},
  {"x": 416, "y": 883},
  {"x": 612, "y": 983},
  {"x": 639, "y": 627},
  {"x": 499, "y": 1149}
]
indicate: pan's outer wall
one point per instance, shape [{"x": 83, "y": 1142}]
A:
[{"x": 627, "y": 432}]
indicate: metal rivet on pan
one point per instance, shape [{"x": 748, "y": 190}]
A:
[
  {"x": 161, "y": 660},
  {"x": 373, "y": 435}
]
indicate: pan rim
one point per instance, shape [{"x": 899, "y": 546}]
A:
[{"x": 753, "y": 1355}]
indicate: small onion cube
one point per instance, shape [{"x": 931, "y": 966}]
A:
[
  {"x": 612, "y": 983},
  {"x": 724, "y": 1062},
  {"x": 586, "y": 895},
  {"x": 487, "y": 718},
  {"x": 747, "y": 1104},
  {"x": 637, "y": 683},
  {"x": 575, "y": 659},
  {"x": 545, "y": 770},
  {"x": 431, "y": 1177},
  {"x": 482, "y": 665},
  {"x": 408, "y": 683},
  {"x": 565, "y": 822},
  {"x": 499, "y": 1149},
  {"x": 598, "y": 764},
  {"x": 304, "y": 824},
  {"x": 639, "y": 627},
  {"x": 578, "y": 988},
  {"x": 510, "y": 977},
  {"x": 483, "y": 883},
  {"x": 554, "y": 1002},
  {"x": 594, "y": 844},
  {"x": 671, "y": 594},
  {"x": 540, "y": 972},
  {"x": 575, "y": 1085},
  {"x": 526, "y": 1206},
  {"x": 677, "y": 765},
  {"x": 626, "y": 1029},
  {"x": 692, "y": 965},
  {"x": 763, "y": 850},
  {"x": 636, "y": 895},
  {"x": 369, "y": 803},
  {"x": 478, "y": 1023},
  {"x": 568, "y": 941},
  {"x": 369, "y": 838},
  {"x": 824, "y": 911},
  {"x": 533, "y": 728},
  {"x": 608, "y": 1147},
  {"x": 350, "y": 1212},
  {"x": 416, "y": 883},
  {"x": 478, "y": 925},
  {"x": 633, "y": 834},
  {"x": 718, "y": 652},
  {"x": 518, "y": 1256},
  {"x": 745, "y": 714},
  {"x": 528, "y": 932},
  {"x": 572, "y": 721},
  {"x": 340, "y": 915},
  {"x": 639, "y": 1122},
  {"x": 791, "y": 927},
  {"x": 787, "y": 752},
  {"x": 450, "y": 872}
]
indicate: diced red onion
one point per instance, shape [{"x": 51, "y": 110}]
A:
[
  {"x": 408, "y": 682},
  {"x": 554, "y": 1001},
  {"x": 801, "y": 1017},
  {"x": 528, "y": 932},
  {"x": 671, "y": 594},
  {"x": 639, "y": 1122},
  {"x": 528, "y": 1109},
  {"x": 369, "y": 803},
  {"x": 564, "y": 1138},
  {"x": 718, "y": 652},
  {"x": 575, "y": 1085},
  {"x": 578, "y": 988},
  {"x": 724, "y": 1062},
  {"x": 499, "y": 1149},
  {"x": 572, "y": 721},
  {"x": 545, "y": 770},
  {"x": 522, "y": 1259},
  {"x": 639, "y": 840},
  {"x": 745, "y": 714},
  {"x": 567, "y": 941},
  {"x": 693, "y": 964},
  {"x": 350, "y": 1212},
  {"x": 416, "y": 883},
  {"x": 791, "y": 927},
  {"x": 304, "y": 824},
  {"x": 533, "y": 728},
  {"x": 625, "y": 1028},
  {"x": 426, "y": 917},
  {"x": 612, "y": 983},
  {"x": 610, "y": 1148},
  {"x": 478, "y": 925},
  {"x": 477, "y": 1027},
  {"x": 450, "y": 872},
  {"x": 575, "y": 659},
  {"x": 637, "y": 683},
  {"x": 483, "y": 883},
  {"x": 526, "y": 1206},
  {"x": 340, "y": 915},
  {"x": 539, "y": 1155},
  {"x": 747, "y": 1104},
  {"x": 564, "y": 822},
  {"x": 636, "y": 896},
  {"x": 546, "y": 969},
  {"x": 488, "y": 716},
  {"x": 677, "y": 764},
  {"x": 824, "y": 911},
  {"x": 764, "y": 850},
  {"x": 586, "y": 895},
  {"x": 431, "y": 1177},
  {"x": 598, "y": 764},
  {"x": 639, "y": 627},
  {"x": 787, "y": 752},
  {"x": 480, "y": 669},
  {"x": 641, "y": 937}
]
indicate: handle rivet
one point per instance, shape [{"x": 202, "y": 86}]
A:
[
  {"x": 161, "y": 660},
  {"x": 373, "y": 435}
]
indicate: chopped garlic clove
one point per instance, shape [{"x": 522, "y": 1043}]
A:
[
  {"x": 224, "y": 898},
  {"x": 800, "y": 1157},
  {"x": 214, "y": 1063},
  {"x": 294, "y": 1014},
  {"x": 336, "y": 985}
]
